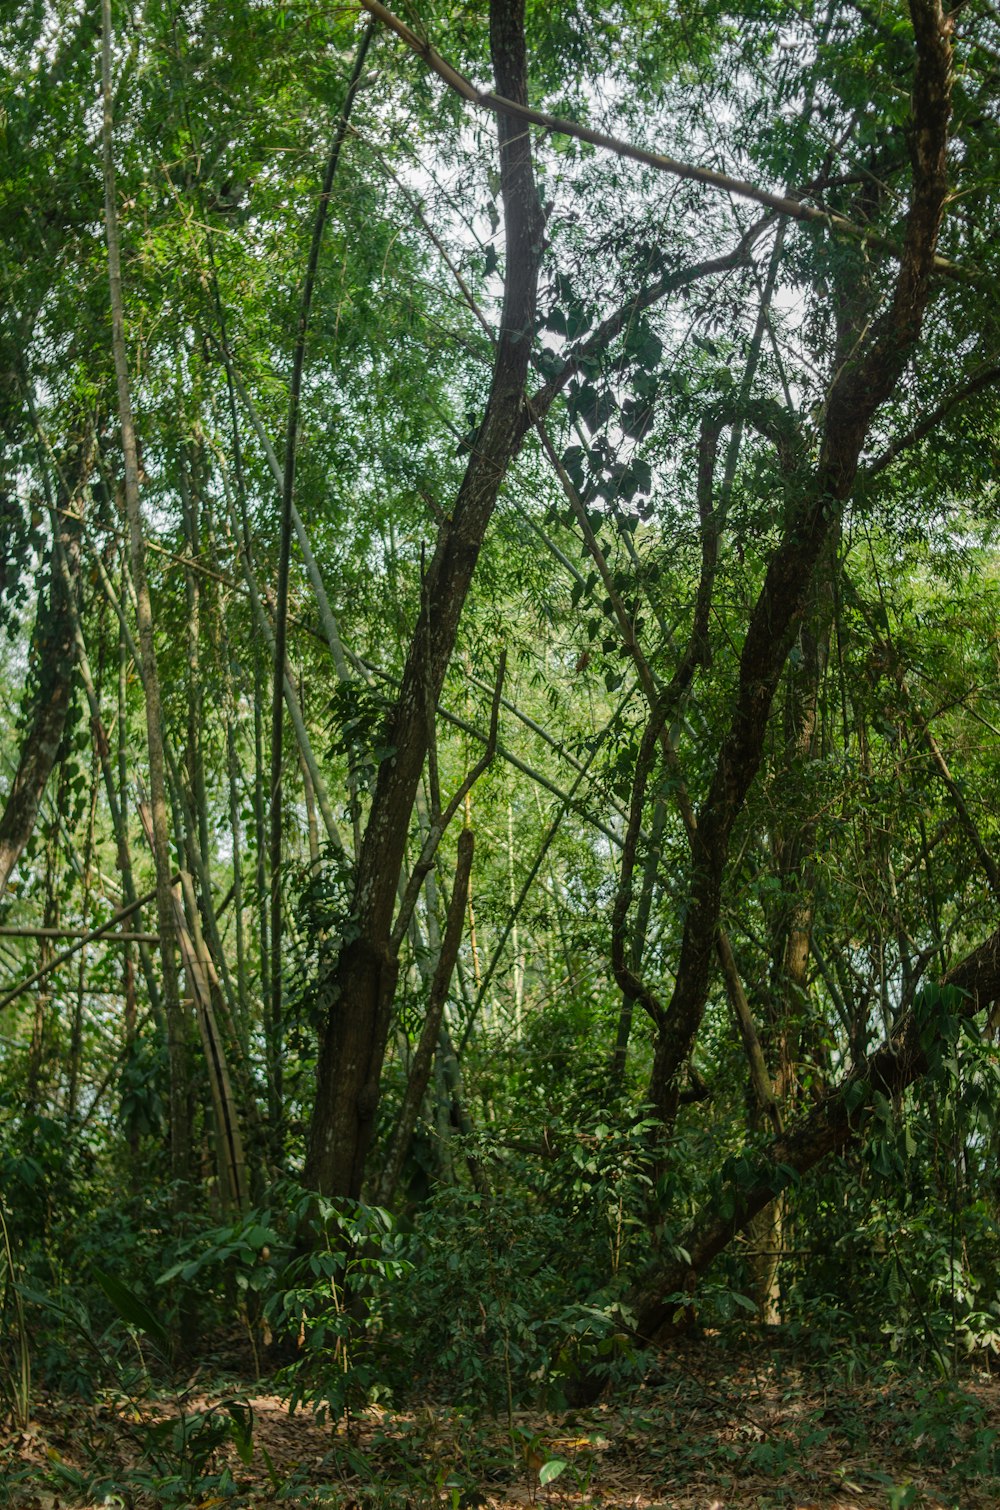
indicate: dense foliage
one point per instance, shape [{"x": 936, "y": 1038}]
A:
[{"x": 603, "y": 940}]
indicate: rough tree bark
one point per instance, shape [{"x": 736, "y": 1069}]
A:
[
  {"x": 870, "y": 366},
  {"x": 358, "y": 994}
]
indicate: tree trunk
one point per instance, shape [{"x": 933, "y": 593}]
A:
[
  {"x": 358, "y": 997},
  {"x": 180, "y": 1142},
  {"x": 877, "y": 355}
]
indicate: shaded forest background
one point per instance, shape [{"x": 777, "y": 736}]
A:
[{"x": 500, "y": 753}]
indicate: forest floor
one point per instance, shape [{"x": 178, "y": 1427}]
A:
[{"x": 716, "y": 1431}]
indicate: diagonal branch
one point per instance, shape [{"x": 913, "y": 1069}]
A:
[
  {"x": 837, "y": 1121},
  {"x": 440, "y": 821},
  {"x": 358, "y": 993},
  {"x": 794, "y": 208},
  {"x": 615, "y": 323},
  {"x": 985, "y": 379}
]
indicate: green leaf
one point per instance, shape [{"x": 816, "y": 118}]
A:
[
  {"x": 551, "y": 1470},
  {"x": 241, "y": 1427},
  {"x": 258, "y": 1236},
  {"x": 132, "y": 1310},
  {"x": 854, "y": 1095},
  {"x": 743, "y": 1301}
]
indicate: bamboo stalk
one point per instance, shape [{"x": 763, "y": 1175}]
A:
[
  {"x": 8, "y": 930},
  {"x": 179, "y": 1130},
  {"x": 291, "y": 697},
  {"x": 95, "y": 933},
  {"x": 118, "y": 822}
]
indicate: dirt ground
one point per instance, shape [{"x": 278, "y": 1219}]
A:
[{"x": 750, "y": 1437}]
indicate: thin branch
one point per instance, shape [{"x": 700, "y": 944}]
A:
[
  {"x": 537, "y": 777},
  {"x": 180, "y": 1139},
  {"x": 617, "y": 321},
  {"x": 8, "y": 930},
  {"x": 529, "y": 879},
  {"x": 423, "y": 1059},
  {"x": 930, "y": 422},
  {"x": 795, "y": 209},
  {"x": 441, "y": 821},
  {"x": 95, "y": 933},
  {"x": 285, "y": 547}
]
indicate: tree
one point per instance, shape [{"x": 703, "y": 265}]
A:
[{"x": 362, "y": 983}]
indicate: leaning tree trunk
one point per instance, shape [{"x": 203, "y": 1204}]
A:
[
  {"x": 839, "y": 1119},
  {"x": 359, "y": 993},
  {"x": 878, "y": 355},
  {"x": 864, "y": 381}
]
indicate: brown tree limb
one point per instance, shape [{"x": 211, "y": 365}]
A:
[
  {"x": 653, "y": 293},
  {"x": 499, "y": 104},
  {"x": 662, "y": 704},
  {"x": 420, "y": 1069},
  {"x": 10, "y": 931},
  {"x": 440, "y": 820},
  {"x": 836, "y": 1121},
  {"x": 631, "y": 985},
  {"x": 985, "y": 379}
]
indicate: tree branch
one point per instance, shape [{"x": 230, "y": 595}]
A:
[
  {"x": 837, "y": 1120},
  {"x": 930, "y": 422},
  {"x": 795, "y": 209}
]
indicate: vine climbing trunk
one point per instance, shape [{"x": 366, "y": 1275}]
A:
[{"x": 784, "y": 1004}]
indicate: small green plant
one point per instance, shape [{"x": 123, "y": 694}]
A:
[
  {"x": 179, "y": 1447},
  {"x": 328, "y": 1303}
]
